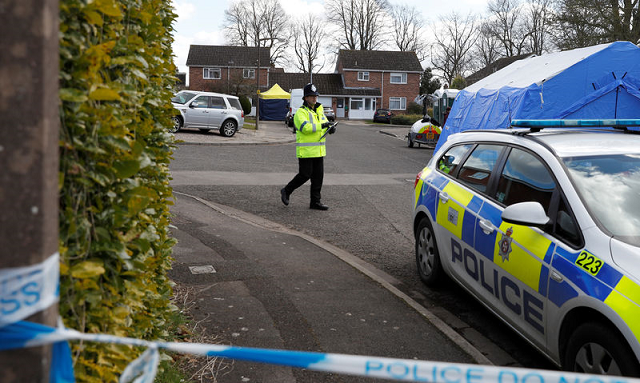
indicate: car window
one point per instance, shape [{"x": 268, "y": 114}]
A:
[
  {"x": 183, "y": 97},
  {"x": 235, "y": 103},
  {"x": 525, "y": 178},
  {"x": 449, "y": 162},
  {"x": 218, "y": 103},
  {"x": 200, "y": 102},
  {"x": 476, "y": 171}
]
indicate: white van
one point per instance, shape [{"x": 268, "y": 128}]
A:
[{"x": 294, "y": 103}]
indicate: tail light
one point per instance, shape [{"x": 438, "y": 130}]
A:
[
  {"x": 242, "y": 114},
  {"x": 415, "y": 183}
]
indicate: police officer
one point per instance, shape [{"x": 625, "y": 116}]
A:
[{"x": 310, "y": 125}]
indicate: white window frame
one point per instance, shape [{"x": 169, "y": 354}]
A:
[
  {"x": 403, "y": 78},
  {"x": 363, "y": 76},
  {"x": 210, "y": 73},
  {"x": 248, "y": 73},
  {"x": 401, "y": 100}
]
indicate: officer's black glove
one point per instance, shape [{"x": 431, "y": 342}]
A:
[
  {"x": 326, "y": 125},
  {"x": 332, "y": 129}
]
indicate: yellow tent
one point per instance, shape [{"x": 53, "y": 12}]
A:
[
  {"x": 274, "y": 104},
  {"x": 275, "y": 92}
]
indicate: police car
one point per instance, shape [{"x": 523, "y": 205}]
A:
[{"x": 542, "y": 225}]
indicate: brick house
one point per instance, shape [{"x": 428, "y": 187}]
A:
[
  {"x": 362, "y": 81},
  {"x": 396, "y": 75},
  {"x": 228, "y": 69}
]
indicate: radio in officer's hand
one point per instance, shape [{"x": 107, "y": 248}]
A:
[{"x": 331, "y": 128}]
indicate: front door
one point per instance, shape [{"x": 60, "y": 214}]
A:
[{"x": 340, "y": 108}]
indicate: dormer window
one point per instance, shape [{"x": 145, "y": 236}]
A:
[
  {"x": 363, "y": 76},
  {"x": 398, "y": 78}
]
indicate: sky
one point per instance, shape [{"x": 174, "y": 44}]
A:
[{"x": 201, "y": 21}]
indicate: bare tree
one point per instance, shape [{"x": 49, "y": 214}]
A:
[
  {"x": 487, "y": 49},
  {"x": 256, "y": 23},
  {"x": 407, "y": 29},
  {"x": 360, "y": 22},
  {"x": 538, "y": 25},
  {"x": 507, "y": 24},
  {"x": 307, "y": 34},
  {"x": 455, "y": 38},
  {"x": 580, "y": 23}
]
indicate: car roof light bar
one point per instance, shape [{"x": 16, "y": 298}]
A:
[{"x": 586, "y": 123}]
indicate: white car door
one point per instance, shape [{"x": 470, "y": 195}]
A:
[
  {"x": 217, "y": 112},
  {"x": 197, "y": 114}
]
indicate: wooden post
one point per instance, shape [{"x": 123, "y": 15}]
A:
[{"x": 29, "y": 68}]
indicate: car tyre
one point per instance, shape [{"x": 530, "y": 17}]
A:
[
  {"x": 409, "y": 141},
  {"x": 595, "y": 348},
  {"x": 177, "y": 124},
  {"x": 427, "y": 254},
  {"x": 228, "y": 128}
]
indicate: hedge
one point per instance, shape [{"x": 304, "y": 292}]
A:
[{"x": 116, "y": 81}]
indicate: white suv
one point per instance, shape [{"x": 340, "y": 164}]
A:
[{"x": 206, "y": 111}]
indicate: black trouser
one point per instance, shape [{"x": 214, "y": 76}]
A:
[{"x": 308, "y": 168}]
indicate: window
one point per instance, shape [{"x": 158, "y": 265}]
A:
[
  {"x": 367, "y": 104},
  {"x": 211, "y": 73},
  {"x": 235, "y": 103},
  {"x": 398, "y": 78},
  {"x": 248, "y": 73},
  {"x": 363, "y": 76},
  {"x": 201, "y": 102},
  {"x": 397, "y": 103},
  {"x": 451, "y": 159},
  {"x": 218, "y": 103},
  {"x": 476, "y": 170},
  {"x": 357, "y": 104},
  {"x": 525, "y": 178}
]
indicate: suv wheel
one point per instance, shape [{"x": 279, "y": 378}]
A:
[
  {"x": 177, "y": 124},
  {"x": 228, "y": 128},
  {"x": 595, "y": 348},
  {"x": 427, "y": 254}
]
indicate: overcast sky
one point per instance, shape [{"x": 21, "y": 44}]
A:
[{"x": 200, "y": 21}]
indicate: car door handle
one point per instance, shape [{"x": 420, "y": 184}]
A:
[
  {"x": 486, "y": 226},
  {"x": 444, "y": 197}
]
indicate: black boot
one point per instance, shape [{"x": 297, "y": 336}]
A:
[
  {"x": 318, "y": 206},
  {"x": 284, "y": 196}
]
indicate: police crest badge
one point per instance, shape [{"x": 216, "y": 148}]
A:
[{"x": 504, "y": 245}]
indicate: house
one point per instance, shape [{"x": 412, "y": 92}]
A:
[
  {"x": 228, "y": 69},
  {"x": 394, "y": 74},
  {"x": 362, "y": 81}
]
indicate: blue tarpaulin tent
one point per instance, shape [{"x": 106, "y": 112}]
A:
[
  {"x": 601, "y": 81},
  {"x": 274, "y": 104}
]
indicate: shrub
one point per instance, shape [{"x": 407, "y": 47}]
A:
[
  {"x": 405, "y": 119},
  {"x": 414, "y": 108},
  {"x": 246, "y": 104},
  {"x": 116, "y": 80}
]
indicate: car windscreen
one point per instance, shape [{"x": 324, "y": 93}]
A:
[
  {"x": 183, "y": 97},
  {"x": 610, "y": 187}
]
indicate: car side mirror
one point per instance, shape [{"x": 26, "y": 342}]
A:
[
  {"x": 526, "y": 214},
  {"x": 191, "y": 105}
]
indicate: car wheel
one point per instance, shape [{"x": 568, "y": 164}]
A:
[
  {"x": 595, "y": 348},
  {"x": 228, "y": 128},
  {"x": 409, "y": 142},
  {"x": 427, "y": 254},
  {"x": 177, "y": 124}
]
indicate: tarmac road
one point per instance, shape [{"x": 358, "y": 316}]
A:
[{"x": 258, "y": 284}]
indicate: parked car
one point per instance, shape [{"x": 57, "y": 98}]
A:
[
  {"x": 328, "y": 112},
  {"x": 206, "y": 111},
  {"x": 382, "y": 115},
  {"x": 424, "y": 131},
  {"x": 542, "y": 226}
]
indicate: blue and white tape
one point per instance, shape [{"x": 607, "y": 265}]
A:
[{"x": 25, "y": 291}]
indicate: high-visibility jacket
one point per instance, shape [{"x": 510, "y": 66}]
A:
[{"x": 308, "y": 123}]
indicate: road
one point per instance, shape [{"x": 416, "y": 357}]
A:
[{"x": 368, "y": 185}]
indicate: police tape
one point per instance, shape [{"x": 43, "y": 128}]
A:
[
  {"x": 144, "y": 369},
  {"x": 24, "y": 291}
]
